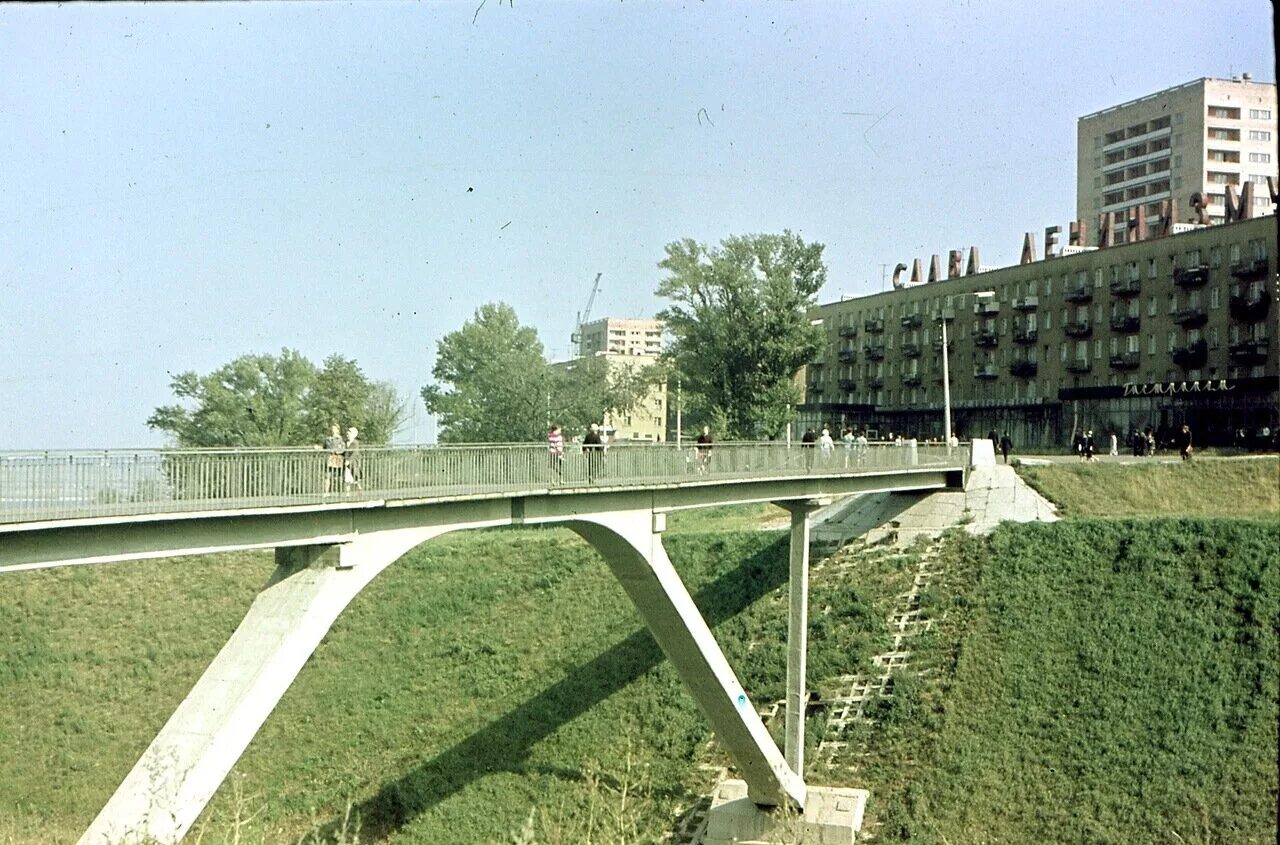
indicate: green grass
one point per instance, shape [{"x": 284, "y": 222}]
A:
[
  {"x": 1101, "y": 681},
  {"x": 1248, "y": 487}
]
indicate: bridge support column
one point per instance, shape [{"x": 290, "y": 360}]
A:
[
  {"x": 798, "y": 629},
  {"x": 631, "y": 543},
  {"x": 170, "y": 785}
]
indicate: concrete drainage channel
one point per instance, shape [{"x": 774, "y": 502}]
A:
[{"x": 906, "y": 620}]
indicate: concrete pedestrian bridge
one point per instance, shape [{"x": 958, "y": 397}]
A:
[{"x": 332, "y": 537}]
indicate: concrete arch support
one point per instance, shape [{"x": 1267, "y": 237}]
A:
[
  {"x": 179, "y": 772},
  {"x": 631, "y": 543}
]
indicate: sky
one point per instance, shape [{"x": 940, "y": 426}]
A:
[{"x": 187, "y": 183}]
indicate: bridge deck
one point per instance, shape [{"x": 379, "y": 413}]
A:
[{"x": 40, "y": 487}]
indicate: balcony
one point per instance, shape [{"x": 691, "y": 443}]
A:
[
  {"x": 911, "y": 350},
  {"x": 937, "y": 344},
  {"x": 1248, "y": 310},
  {"x": 986, "y": 308},
  {"x": 1025, "y": 336},
  {"x": 848, "y": 385},
  {"x": 874, "y": 326},
  {"x": 1081, "y": 293},
  {"x": 986, "y": 338},
  {"x": 874, "y": 352},
  {"x": 1191, "y": 277},
  {"x": 1253, "y": 269},
  {"x": 1125, "y": 324},
  {"x": 816, "y": 387},
  {"x": 875, "y": 382},
  {"x": 1079, "y": 328},
  {"x": 1022, "y": 368},
  {"x": 1079, "y": 365},
  {"x": 910, "y": 379},
  {"x": 1250, "y": 351},
  {"x": 848, "y": 332},
  {"x": 1192, "y": 356},
  {"x": 847, "y": 356},
  {"x": 1191, "y": 317},
  {"x": 986, "y": 371},
  {"x": 1126, "y": 287},
  {"x": 912, "y": 321},
  {"x": 1126, "y": 361},
  {"x": 1029, "y": 303}
]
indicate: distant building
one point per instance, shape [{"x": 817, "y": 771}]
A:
[
  {"x": 621, "y": 337},
  {"x": 633, "y": 343},
  {"x": 1211, "y": 137},
  {"x": 1159, "y": 332}
]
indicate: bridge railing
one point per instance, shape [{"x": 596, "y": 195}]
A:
[{"x": 73, "y": 484}]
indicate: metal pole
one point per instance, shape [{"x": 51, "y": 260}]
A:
[
  {"x": 679, "y": 410},
  {"x": 946, "y": 390},
  {"x": 797, "y": 635}
]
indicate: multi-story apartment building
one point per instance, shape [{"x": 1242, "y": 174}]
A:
[
  {"x": 1211, "y": 137},
  {"x": 620, "y": 337},
  {"x": 630, "y": 343},
  {"x": 1150, "y": 333}
]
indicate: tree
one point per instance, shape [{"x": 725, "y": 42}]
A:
[
  {"x": 267, "y": 400},
  {"x": 500, "y": 388},
  {"x": 500, "y": 381},
  {"x": 740, "y": 327}
]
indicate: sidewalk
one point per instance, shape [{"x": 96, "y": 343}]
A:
[{"x": 992, "y": 494}]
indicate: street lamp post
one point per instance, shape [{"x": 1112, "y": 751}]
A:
[
  {"x": 943, "y": 316},
  {"x": 946, "y": 389}
]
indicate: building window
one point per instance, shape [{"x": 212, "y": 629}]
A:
[
  {"x": 1260, "y": 158},
  {"x": 1151, "y": 344},
  {"x": 1259, "y": 114},
  {"x": 1259, "y": 135},
  {"x": 1214, "y": 296},
  {"x": 1218, "y": 177},
  {"x": 1152, "y": 268},
  {"x": 1224, "y": 112},
  {"x": 1217, "y": 133},
  {"x": 1151, "y": 307}
]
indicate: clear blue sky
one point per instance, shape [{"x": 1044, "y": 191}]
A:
[{"x": 187, "y": 183}]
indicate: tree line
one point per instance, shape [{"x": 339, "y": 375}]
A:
[{"x": 738, "y": 332}]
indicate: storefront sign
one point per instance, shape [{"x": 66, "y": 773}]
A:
[{"x": 1173, "y": 388}]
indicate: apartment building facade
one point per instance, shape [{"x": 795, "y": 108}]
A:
[
  {"x": 1210, "y": 137},
  {"x": 1159, "y": 332},
  {"x": 621, "y": 336}
]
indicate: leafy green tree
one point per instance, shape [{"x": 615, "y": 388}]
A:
[
  {"x": 284, "y": 400},
  {"x": 494, "y": 385},
  {"x": 499, "y": 380},
  {"x": 740, "y": 327},
  {"x": 343, "y": 394}
]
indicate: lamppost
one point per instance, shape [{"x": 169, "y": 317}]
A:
[{"x": 943, "y": 316}]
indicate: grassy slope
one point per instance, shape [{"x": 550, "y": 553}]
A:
[
  {"x": 1210, "y": 487},
  {"x": 1098, "y": 680},
  {"x": 1113, "y": 682}
]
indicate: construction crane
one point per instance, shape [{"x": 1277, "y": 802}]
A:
[{"x": 584, "y": 316}]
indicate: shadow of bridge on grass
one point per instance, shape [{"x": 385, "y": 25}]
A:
[{"x": 503, "y": 745}]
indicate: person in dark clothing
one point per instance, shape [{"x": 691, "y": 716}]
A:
[
  {"x": 808, "y": 443},
  {"x": 994, "y": 438},
  {"x": 703, "y": 450},
  {"x": 1005, "y": 445},
  {"x": 593, "y": 448},
  {"x": 1088, "y": 446},
  {"x": 1184, "y": 442}
]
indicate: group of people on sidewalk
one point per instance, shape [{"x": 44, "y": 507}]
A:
[{"x": 342, "y": 463}]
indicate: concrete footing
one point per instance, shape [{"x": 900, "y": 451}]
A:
[{"x": 831, "y": 816}]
